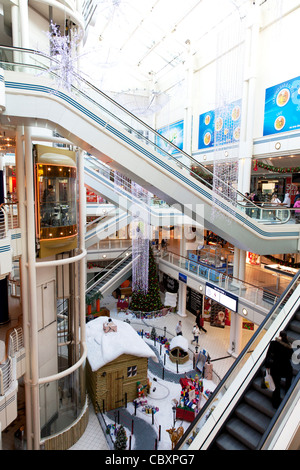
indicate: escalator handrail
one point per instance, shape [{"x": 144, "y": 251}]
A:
[
  {"x": 135, "y": 118},
  {"x": 237, "y": 361}
]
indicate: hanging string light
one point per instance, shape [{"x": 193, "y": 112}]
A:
[{"x": 229, "y": 82}]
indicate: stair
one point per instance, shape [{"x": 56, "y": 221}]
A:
[{"x": 252, "y": 415}]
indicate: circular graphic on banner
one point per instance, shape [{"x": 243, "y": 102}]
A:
[
  {"x": 207, "y": 119},
  {"x": 219, "y": 124},
  {"x": 237, "y": 133},
  {"x": 279, "y": 123},
  {"x": 283, "y": 97},
  {"x": 236, "y": 113},
  {"x": 207, "y": 138}
]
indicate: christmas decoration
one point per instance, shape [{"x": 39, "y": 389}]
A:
[
  {"x": 140, "y": 240},
  {"x": 121, "y": 439},
  {"x": 229, "y": 85},
  {"x": 150, "y": 301},
  {"x": 63, "y": 49},
  {"x": 276, "y": 169}
]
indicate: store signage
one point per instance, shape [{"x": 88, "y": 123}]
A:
[
  {"x": 174, "y": 133},
  {"x": 221, "y": 126},
  {"x": 282, "y": 104},
  {"x": 182, "y": 277},
  {"x": 222, "y": 297}
]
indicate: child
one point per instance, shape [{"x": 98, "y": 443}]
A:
[{"x": 196, "y": 333}]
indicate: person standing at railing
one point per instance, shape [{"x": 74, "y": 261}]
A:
[
  {"x": 287, "y": 200},
  {"x": 255, "y": 212},
  {"x": 247, "y": 200}
]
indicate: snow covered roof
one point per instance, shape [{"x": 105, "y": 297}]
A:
[
  {"x": 103, "y": 348},
  {"x": 179, "y": 342}
]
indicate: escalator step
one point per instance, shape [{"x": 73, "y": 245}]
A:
[
  {"x": 292, "y": 335},
  {"x": 257, "y": 420},
  {"x": 297, "y": 315},
  {"x": 256, "y": 384},
  {"x": 227, "y": 442},
  {"x": 294, "y": 325},
  {"x": 260, "y": 402},
  {"x": 243, "y": 433}
]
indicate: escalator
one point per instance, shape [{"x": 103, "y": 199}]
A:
[
  {"x": 94, "y": 122},
  {"x": 251, "y": 418},
  {"x": 239, "y": 415},
  {"x": 109, "y": 278}
]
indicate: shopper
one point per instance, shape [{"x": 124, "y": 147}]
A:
[
  {"x": 297, "y": 195},
  {"x": 278, "y": 360},
  {"x": 200, "y": 321},
  {"x": 297, "y": 211},
  {"x": 287, "y": 200},
  {"x": 178, "y": 329},
  {"x": 275, "y": 199},
  {"x": 196, "y": 333}
]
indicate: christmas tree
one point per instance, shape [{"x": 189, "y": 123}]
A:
[
  {"x": 151, "y": 300},
  {"x": 153, "y": 333},
  {"x": 121, "y": 439}
]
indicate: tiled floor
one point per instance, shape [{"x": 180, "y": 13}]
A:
[{"x": 215, "y": 341}]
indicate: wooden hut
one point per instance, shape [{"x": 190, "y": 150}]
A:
[{"x": 117, "y": 363}]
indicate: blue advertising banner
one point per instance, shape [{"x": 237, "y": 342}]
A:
[
  {"x": 174, "y": 133},
  {"x": 221, "y": 126},
  {"x": 282, "y": 107}
]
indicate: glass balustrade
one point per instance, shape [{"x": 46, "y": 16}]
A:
[
  {"x": 87, "y": 98},
  {"x": 233, "y": 372}
]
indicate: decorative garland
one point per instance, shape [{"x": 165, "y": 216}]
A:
[{"x": 276, "y": 169}]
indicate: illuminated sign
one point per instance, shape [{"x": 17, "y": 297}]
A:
[{"x": 222, "y": 297}]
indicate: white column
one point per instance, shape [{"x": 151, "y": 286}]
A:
[
  {"x": 242, "y": 265},
  {"x": 235, "y": 334},
  {"x": 182, "y": 299},
  {"x": 82, "y": 229},
  {"x": 24, "y": 28},
  {"x": 236, "y": 320},
  {"x": 248, "y": 100},
  {"x": 31, "y": 273},
  {"x": 20, "y": 174},
  {"x": 188, "y": 111}
]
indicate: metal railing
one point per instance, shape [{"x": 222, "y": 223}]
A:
[
  {"x": 9, "y": 218},
  {"x": 104, "y": 273},
  {"x": 13, "y": 343},
  {"x": 253, "y": 293},
  {"x": 38, "y": 63}
]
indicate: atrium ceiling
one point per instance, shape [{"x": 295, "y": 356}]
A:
[{"x": 149, "y": 38}]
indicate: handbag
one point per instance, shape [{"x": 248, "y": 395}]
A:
[{"x": 268, "y": 381}]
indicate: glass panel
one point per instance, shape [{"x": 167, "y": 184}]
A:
[
  {"x": 57, "y": 200},
  {"x": 61, "y": 402},
  {"x": 237, "y": 366}
]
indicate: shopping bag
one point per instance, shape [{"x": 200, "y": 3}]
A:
[{"x": 269, "y": 382}]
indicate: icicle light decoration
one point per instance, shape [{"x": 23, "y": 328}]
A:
[
  {"x": 63, "y": 49},
  {"x": 140, "y": 240},
  {"x": 229, "y": 82}
]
